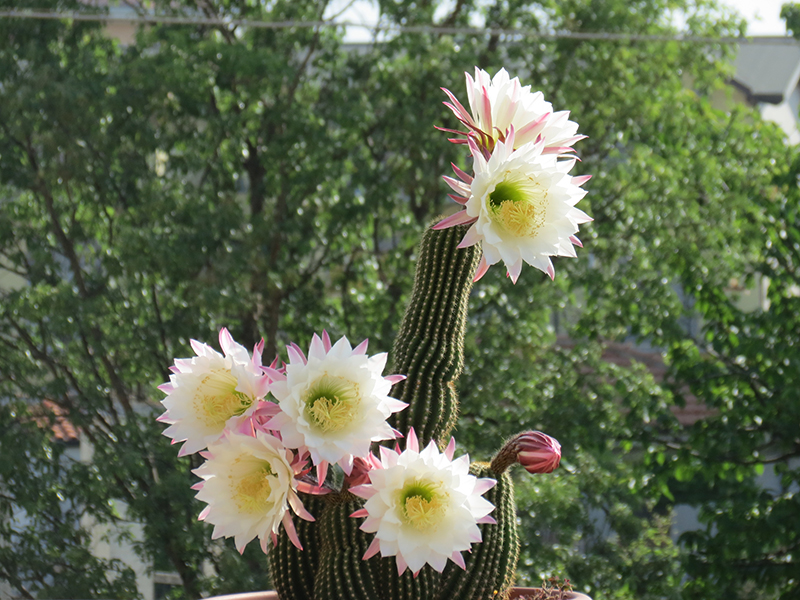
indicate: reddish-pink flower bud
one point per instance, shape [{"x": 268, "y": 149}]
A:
[
  {"x": 361, "y": 470},
  {"x": 534, "y": 450},
  {"x": 538, "y": 452}
]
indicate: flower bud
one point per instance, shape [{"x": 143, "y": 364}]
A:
[
  {"x": 538, "y": 452},
  {"x": 534, "y": 450}
]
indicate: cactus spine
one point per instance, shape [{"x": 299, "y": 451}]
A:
[{"x": 429, "y": 348}]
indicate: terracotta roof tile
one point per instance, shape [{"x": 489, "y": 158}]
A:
[
  {"x": 623, "y": 354},
  {"x": 50, "y": 414}
]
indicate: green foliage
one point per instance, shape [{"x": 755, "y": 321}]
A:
[
  {"x": 790, "y": 12},
  {"x": 276, "y": 181}
]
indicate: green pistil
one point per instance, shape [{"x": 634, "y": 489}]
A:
[
  {"x": 506, "y": 191},
  {"x": 519, "y": 206},
  {"x": 422, "y": 505},
  {"x": 331, "y": 404}
]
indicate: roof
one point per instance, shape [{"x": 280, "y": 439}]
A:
[
  {"x": 50, "y": 414},
  {"x": 768, "y": 68},
  {"x": 624, "y": 354}
]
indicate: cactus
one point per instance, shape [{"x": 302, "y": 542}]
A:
[
  {"x": 429, "y": 351},
  {"x": 342, "y": 573},
  {"x": 429, "y": 348},
  {"x": 492, "y": 563},
  {"x": 292, "y": 570},
  {"x": 423, "y": 512}
]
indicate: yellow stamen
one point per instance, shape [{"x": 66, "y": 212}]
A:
[
  {"x": 217, "y": 399},
  {"x": 252, "y": 492},
  {"x": 519, "y": 206},
  {"x": 331, "y": 414},
  {"x": 332, "y": 403},
  {"x": 424, "y": 514},
  {"x": 422, "y": 504}
]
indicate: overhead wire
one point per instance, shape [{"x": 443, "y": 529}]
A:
[{"x": 153, "y": 19}]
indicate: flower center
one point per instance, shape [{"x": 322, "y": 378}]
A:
[
  {"x": 332, "y": 403},
  {"x": 218, "y": 399},
  {"x": 422, "y": 505},
  {"x": 252, "y": 492},
  {"x": 519, "y": 206}
]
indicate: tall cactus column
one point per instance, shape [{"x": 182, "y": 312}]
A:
[{"x": 429, "y": 348}]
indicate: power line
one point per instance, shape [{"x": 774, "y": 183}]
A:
[{"x": 145, "y": 19}]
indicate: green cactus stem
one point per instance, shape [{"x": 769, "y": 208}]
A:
[
  {"x": 406, "y": 586},
  {"x": 491, "y": 565},
  {"x": 429, "y": 348},
  {"x": 342, "y": 572},
  {"x": 292, "y": 570}
]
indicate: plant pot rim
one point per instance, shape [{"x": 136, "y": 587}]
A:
[{"x": 516, "y": 592}]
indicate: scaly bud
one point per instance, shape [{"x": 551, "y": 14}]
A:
[{"x": 534, "y": 450}]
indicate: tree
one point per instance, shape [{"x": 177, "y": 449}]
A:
[{"x": 275, "y": 181}]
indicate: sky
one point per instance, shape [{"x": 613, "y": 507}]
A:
[{"x": 763, "y": 16}]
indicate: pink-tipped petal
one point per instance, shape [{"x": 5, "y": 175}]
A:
[
  {"x": 273, "y": 374},
  {"x": 299, "y": 509},
  {"x": 361, "y": 512},
  {"x": 487, "y": 109},
  {"x": 460, "y": 218},
  {"x": 460, "y": 199},
  {"x": 470, "y": 238},
  {"x": 225, "y": 338},
  {"x": 412, "y": 443},
  {"x": 458, "y": 558},
  {"x": 365, "y": 491},
  {"x": 557, "y": 150},
  {"x": 484, "y": 484},
  {"x": 460, "y": 112},
  {"x": 296, "y": 354},
  {"x": 461, "y": 174},
  {"x": 373, "y": 549},
  {"x": 581, "y": 179},
  {"x": 361, "y": 348},
  {"x": 326, "y": 340},
  {"x": 446, "y": 130},
  {"x": 198, "y": 347},
  {"x": 510, "y": 136},
  {"x": 514, "y": 271},
  {"x": 315, "y": 490},
  {"x": 393, "y": 379},
  {"x": 291, "y": 532},
  {"x": 483, "y": 266},
  {"x": 455, "y": 184},
  {"x": 317, "y": 348},
  {"x": 576, "y": 241},
  {"x": 401, "y": 564},
  {"x": 487, "y": 520},
  {"x": 451, "y": 449},
  {"x": 322, "y": 472},
  {"x": 551, "y": 271}
]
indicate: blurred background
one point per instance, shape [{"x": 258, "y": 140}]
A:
[{"x": 171, "y": 167}]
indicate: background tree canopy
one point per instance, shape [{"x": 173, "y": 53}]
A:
[{"x": 276, "y": 181}]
